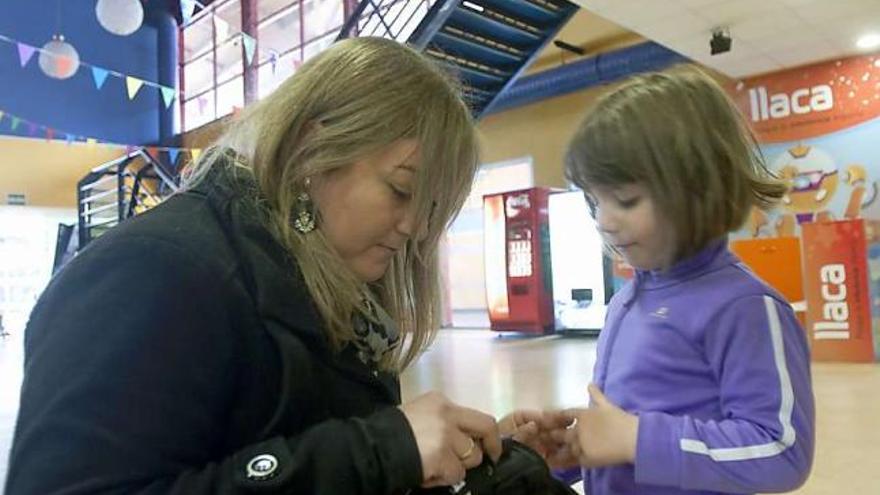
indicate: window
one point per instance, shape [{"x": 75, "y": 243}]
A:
[{"x": 289, "y": 32}]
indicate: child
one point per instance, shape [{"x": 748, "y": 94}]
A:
[{"x": 702, "y": 383}]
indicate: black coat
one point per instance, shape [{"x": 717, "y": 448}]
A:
[{"x": 179, "y": 347}]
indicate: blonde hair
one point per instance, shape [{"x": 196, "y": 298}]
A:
[
  {"x": 678, "y": 134},
  {"x": 353, "y": 99}
]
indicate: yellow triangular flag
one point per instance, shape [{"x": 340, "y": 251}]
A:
[
  {"x": 195, "y": 152},
  {"x": 134, "y": 85}
]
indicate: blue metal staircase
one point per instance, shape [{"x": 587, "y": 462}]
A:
[{"x": 487, "y": 43}]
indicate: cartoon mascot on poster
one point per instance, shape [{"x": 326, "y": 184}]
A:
[{"x": 813, "y": 179}]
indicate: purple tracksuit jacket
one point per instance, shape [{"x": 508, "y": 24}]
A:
[{"x": 717, "y": 368}]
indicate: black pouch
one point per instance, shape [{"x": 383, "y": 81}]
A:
[{"x": 519, "y": 471}]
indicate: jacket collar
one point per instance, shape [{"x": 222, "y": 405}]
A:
[
  {"x": 271, "y": 275},
  {"x": 710, "y": 258}
]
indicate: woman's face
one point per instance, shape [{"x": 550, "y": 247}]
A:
[{"x": 366, "y": 210}]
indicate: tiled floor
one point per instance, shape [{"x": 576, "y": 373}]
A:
[{"x": 479, "y": 369}]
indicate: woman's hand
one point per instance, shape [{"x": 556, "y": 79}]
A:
[
  {"x": 450, "y": 438},
  {"x": 605, "y": 435},
  {"x": 543, "y": 431}
]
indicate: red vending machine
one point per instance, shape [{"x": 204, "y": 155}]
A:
[{"x": 519, "y": 289}]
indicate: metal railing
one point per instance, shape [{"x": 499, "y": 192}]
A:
[
  {"x": 394, "y": 19},
  {"x": 119, "y": 189}
]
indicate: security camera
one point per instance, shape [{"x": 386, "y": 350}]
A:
[{"x": 720, "y": 42}]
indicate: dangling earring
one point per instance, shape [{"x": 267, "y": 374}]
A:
[{"x": 305, "y": 215}]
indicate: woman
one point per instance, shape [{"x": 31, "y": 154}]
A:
[{"x": 247, "y": 334}]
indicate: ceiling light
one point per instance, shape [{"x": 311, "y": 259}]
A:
[{"x": 473, "y": 6}]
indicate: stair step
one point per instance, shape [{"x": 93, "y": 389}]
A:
[
  {"x": 541, "y": 13},
  {"x": 494, "y": 25},
  {"x": 466, "y": 45},
  {"x": 91, "y": 211},
  {"x": 473, "y": 72}
]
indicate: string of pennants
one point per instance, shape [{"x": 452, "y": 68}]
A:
[
  {"x": 35, "y": 129},
  {"x": 100, "y": 75}
]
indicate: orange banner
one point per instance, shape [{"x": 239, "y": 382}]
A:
[
  {"x": 811, "y": 101},
  {"x": 836, "y": 283}
]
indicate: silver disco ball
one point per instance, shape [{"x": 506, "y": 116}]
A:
[
  {"x": 59, "y": 58},
  {"x": 121, "y": 17}
]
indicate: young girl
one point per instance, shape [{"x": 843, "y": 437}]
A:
[{"x": 702, "y": 383}]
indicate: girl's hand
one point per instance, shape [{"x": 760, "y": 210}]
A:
[
  {"x": 605, "y": 435},
  {"x": 542, "y": 431}
]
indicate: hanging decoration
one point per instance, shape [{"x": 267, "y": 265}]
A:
[
  {"x": 51, "y": 134},
  {"x": 63, "y": 62},
  {"x": 187, "y": 7},
  {"x": 25, "y": 52},
  {"x": 58, "y": 58},
  {"x": 250, "y": 47},
  {"x": 120, "y": 17}
]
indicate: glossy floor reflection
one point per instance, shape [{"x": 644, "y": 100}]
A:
[{"x": 478, "y": 369}]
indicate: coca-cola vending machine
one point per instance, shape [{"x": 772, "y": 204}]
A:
[{"x": 519, "y": 288}]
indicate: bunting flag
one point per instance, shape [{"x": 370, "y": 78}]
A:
[
  {"x": 221, "y": 28},
  {"x": 187, "y": 7},
  {"x": 134, "y": 85},
  {"x": 250, "y": 47},
  {"x": 168, "y": 95},
  {"x": 52, "y": 134},
  {"x": 25, "y": 52},
  {"x": 100, "y": 76}
]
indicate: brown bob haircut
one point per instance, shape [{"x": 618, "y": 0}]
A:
[{"x": 678, "y": 134}]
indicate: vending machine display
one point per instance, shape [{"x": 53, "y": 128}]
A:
[
  {"x": 517, "y": 261},
  {"x": 582, "y": 282}
]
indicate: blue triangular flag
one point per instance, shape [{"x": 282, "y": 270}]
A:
[
  {"x": 250, "y": 47},
  {"x": 187, "y": 7},
  {"x": 168, "y": 95},
  {"x": 100, "y": 76},
  {"x": 172, "y": 155}
]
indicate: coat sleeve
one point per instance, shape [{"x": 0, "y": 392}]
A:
[
  {"x": 764, "y": 440},
  {"x": 130, "y": 375}
]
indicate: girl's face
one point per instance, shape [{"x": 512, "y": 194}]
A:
[{"x": 628, "y": 220}]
